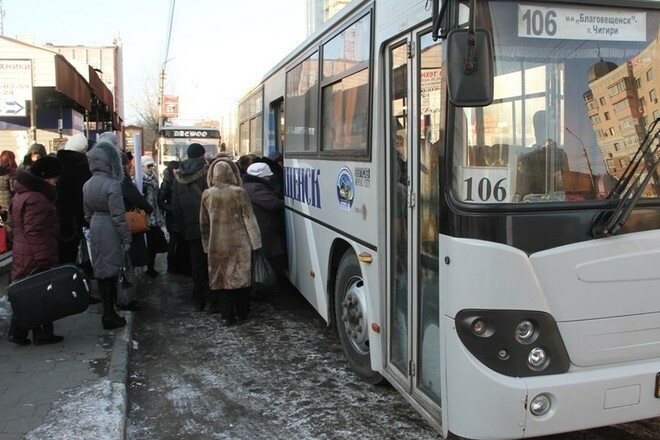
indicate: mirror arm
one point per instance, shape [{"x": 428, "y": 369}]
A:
[
  {"x": 470, "y": 57},
  {"x": 437, "y": 18}
]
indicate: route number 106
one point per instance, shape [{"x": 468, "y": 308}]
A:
[
  {"x": 485, "y": 190},
  {"x": 539, "y": 23}
]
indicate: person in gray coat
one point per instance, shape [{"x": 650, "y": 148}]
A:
[{"x": 110, "y": 237}]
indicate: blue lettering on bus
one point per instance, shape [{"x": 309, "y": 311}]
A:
[{"x": 302, "y": 185}]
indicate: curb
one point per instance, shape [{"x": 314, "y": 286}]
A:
[{"x": 118, "y": 368}]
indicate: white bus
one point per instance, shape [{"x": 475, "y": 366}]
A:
[{"x": 481, "y": 222}]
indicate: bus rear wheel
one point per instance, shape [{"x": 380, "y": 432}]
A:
[{"x": 351, "y": 317}]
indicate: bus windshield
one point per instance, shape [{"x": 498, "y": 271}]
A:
[
  {"x": 575, "y": 98},
  {"x": 174, "y": 142}
]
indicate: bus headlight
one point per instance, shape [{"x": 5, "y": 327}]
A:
[
  {"x": 525, "y": 331},
  {"x": 537, "y": 358},
  {"x": 517, "y": 343},
  {"x": 540, "y": 405}
]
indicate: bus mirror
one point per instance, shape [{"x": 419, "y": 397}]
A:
[{"x": 469, "y": 67}]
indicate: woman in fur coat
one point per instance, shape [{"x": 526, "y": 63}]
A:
[{"x": 229, "y": 235}]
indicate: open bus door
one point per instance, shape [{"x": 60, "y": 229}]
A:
[{"x": 414, "y": 119}]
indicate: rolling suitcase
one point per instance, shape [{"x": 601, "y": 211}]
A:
[{"x": 49, "y": 295}]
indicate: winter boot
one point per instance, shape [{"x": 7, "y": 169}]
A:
[{"x": 108, "y": 293}]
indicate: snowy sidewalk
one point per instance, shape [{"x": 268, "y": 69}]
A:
[{"x": 72, "y": 390}]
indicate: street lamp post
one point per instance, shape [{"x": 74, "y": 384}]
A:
[
  {"x": 161, "y": 94},
  {"x": 586, "y": 156}
]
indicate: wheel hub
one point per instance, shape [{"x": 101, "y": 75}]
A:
[{"x": 354, "y": 315}]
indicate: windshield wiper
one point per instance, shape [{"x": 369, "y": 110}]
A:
[{"x": 606, "y": 224}]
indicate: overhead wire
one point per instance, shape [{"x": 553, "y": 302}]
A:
[{"x": 169, "y": 32}]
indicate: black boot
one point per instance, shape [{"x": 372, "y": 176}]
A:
[{"x": 108, "y": 293}]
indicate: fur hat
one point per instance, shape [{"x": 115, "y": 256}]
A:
[
  {"x": 46, "y": 167},
  {"x": 259, "y": 169},
  {"x": 108, "y": 136},
  {"x": 147, "y": 160},
  {"x": 195, "y": 150},
  {"x": 77, "y": 142}
]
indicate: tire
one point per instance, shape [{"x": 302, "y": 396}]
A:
[{"x": 350, "y": 316}]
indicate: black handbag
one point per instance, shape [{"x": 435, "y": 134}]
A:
[
  {"x": 127, "y": 286},
  {"x": 263, "y": 274}
]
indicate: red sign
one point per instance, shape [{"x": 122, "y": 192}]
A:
[{"x": 170, "y": 106}]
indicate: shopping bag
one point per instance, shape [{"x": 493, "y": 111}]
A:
[
  {"x": 138, "y": 221},
  {"x": 83, "y": 259},
  {"x": 50, "y": 295},
  {"x": 127, "y": 285},
  {"x": 156, "y": 240},
  {"x": 263, "y": 274}
]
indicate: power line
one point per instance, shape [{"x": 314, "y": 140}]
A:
[{"x": 169, "y": 31}]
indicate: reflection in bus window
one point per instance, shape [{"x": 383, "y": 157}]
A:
[{"x": 570, "y": 113}]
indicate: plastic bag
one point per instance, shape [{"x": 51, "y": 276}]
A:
[{"x": 263, "y": 274}]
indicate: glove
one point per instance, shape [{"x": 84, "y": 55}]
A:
[{"x": 126, "y": 247}]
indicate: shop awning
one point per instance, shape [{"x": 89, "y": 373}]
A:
[
  {"x": 71, "y": 83},
  {"x": 101, "y": 91}
]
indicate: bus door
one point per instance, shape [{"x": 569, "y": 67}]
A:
[{"x": 414, "y": 119}]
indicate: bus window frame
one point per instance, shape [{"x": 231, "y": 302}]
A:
[{"x": 362, "y": 154}]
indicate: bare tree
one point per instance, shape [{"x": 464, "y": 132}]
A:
[{"x": 144, "y": 105}]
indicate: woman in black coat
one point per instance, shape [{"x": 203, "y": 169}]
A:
[
  {"x": 268, "y": 207},
  {"x": 178, "y": 255},
  {"x": 134, "y": 199}
]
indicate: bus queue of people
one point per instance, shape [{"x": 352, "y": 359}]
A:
[{"x": 217, "y": 212}]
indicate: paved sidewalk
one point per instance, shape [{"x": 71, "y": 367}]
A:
[{"x": 72, "y": 390}]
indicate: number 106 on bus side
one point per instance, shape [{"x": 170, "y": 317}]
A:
[{"x": 485, "y": 185}]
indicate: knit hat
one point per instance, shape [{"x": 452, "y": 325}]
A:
[
  {"x": 77, "y": 142},
  {"x": 259, "y": 169},
  {"x": 195, "y": 150},
  {"x": 147, "y": 160},
  {"x": 46, "y": 167}
]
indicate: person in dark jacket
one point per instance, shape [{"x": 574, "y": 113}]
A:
[
  {"x": 35, "y": 152},
  {"x": 268, "y": 208},
  {"x": 109, "y": 234},
  {"x": 133, "y": 199},
  {"x": 275, "y": 162},
  {"x": 187, "y": 190},
  {"x": 35, "y": 236},
  {"x": 75, "y": 172},
  {"x": 156, "y": 241},
  {"x": 178, "y": 255}
]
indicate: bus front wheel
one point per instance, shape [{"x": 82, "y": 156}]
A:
[{"x": 351, "y": 317}]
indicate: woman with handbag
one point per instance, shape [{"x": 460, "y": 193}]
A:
[
  {"x": 35, "y": 236},
  {"x": 133, "y": 199},
  {"x": 156, "y": 241},
  {"x": 229, "y": 235},
  {"x": 110, "y": 238}
]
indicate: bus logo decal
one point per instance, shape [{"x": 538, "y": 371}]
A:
[{"x": 345, "y": 189}]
